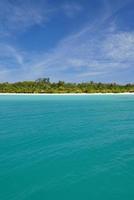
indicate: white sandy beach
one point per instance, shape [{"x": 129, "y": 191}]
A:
[{"x": 64, "y": 94}]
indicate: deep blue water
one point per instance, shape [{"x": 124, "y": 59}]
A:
[{"x": 67, "y": 147}]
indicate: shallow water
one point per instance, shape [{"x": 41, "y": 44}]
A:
[{"x": 67, "y": 147}]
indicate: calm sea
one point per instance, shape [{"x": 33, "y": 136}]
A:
[{"x": 67, "y": 147}]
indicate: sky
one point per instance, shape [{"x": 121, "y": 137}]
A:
[{"x": 69, "y": 40}]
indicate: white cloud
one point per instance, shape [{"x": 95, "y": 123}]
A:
[
  {"x": 8, "y": 52},
  {"x": 89, "y": 56},
  {"x": 120, "y": 47},
  {"x": 71, "y": 9},
  {"x": 99, "y": 49},
  {"x": 20, "y": 15},
  {"x": 90, "y": 74},
  {"x": 76, "y": 57}
]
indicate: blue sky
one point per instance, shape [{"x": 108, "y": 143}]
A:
[{"x": 70, "y": 40}]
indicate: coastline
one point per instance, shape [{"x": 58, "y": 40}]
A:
[{"x": 63, "y": 94}]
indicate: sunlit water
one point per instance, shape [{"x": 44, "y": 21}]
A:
[{"x": 67, "y": 147}]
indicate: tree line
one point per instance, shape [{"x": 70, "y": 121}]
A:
[{"x": 43, "y": 85}]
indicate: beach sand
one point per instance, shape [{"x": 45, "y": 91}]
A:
[{"x": 66, "y": 94}]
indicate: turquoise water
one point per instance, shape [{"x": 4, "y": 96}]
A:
[{"x": 67, "y": 147}]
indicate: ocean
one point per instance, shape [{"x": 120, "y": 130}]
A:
[{"x": 67, "y": 147}]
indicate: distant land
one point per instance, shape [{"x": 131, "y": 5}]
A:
[{"x": 44, "y": 85}]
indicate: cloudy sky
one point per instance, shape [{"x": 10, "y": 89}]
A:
[{"x": 70, "y": 40}]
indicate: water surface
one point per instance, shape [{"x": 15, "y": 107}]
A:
[{"x": 67, "y": 147}]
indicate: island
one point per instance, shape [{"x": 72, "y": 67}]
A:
[{"x": 44, "y": 85}]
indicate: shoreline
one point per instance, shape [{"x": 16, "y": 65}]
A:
[{"x": 63, "y": 94}]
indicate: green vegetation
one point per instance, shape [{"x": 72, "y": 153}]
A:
[{"x": 43, "y": 85}]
